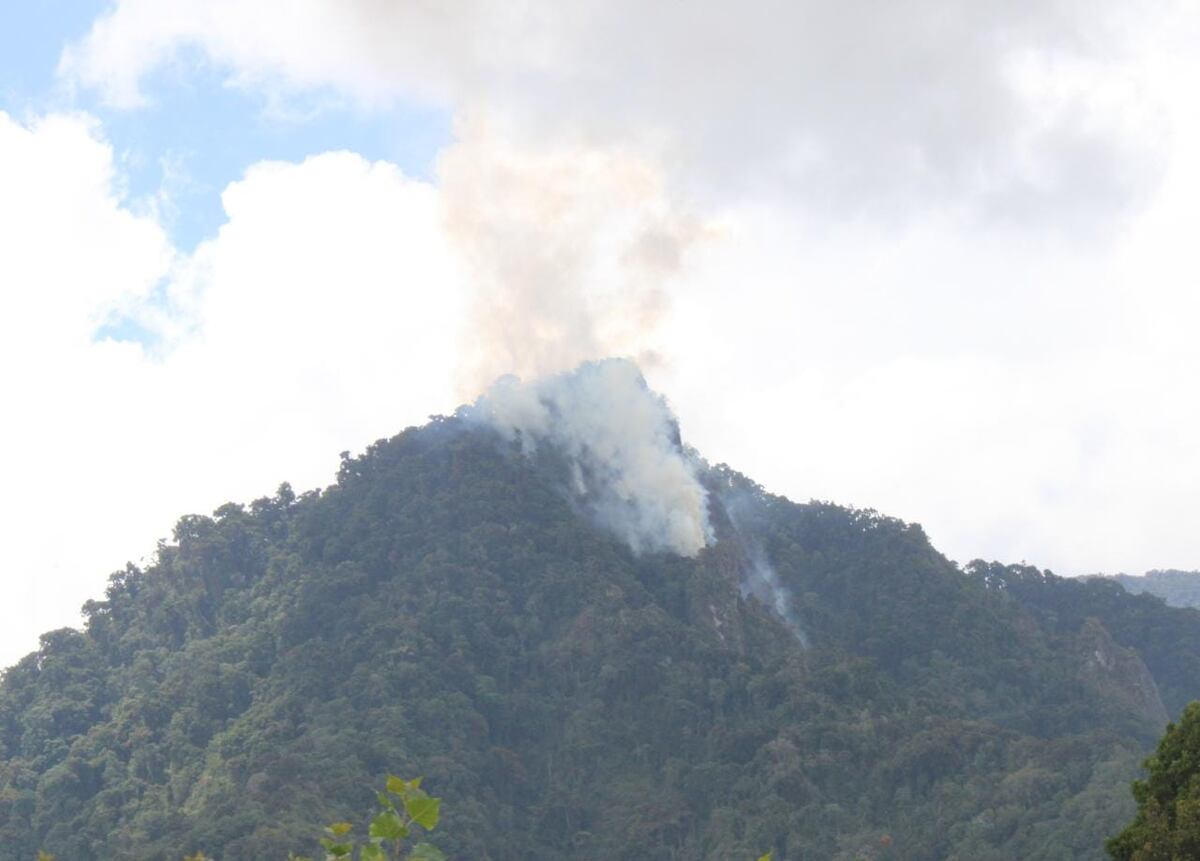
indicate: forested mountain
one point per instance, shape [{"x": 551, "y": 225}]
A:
[
  {"x": 1177, "y": 588},
  {"x": 446, "y": 609}
]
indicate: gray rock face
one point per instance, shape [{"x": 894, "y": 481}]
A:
[{"x": 1120, "y": 674}]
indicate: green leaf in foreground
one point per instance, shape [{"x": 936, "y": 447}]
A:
[
  {"x": 387, "y": 826},
  {"x": 335, "y": 849},
  {"x": 424, "y": 811},
  {"x": 399, "y": 786},
  {"x": 426, "y": 852}
]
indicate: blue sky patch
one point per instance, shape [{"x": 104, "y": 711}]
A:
[{"x": 198, "y": 133}]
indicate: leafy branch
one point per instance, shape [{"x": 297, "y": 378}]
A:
[{"x": 404, "y": 811}]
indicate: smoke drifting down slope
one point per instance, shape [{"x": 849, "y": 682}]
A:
[{"x": 628, "y": 469}]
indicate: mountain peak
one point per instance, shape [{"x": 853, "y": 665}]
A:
[{"x": 809, "y": 680}]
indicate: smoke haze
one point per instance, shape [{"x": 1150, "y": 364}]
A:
[
  {"x": 756, "y": 575},
  {"x": 568, "y": 255},
  {"x": 628, "y": 469}
]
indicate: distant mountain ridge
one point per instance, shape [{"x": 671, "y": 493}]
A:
[
  {"x": 1177, "y": 588},
  {"x": 815, "y": 681}
]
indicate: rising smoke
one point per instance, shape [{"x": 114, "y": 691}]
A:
[
  {"x": 756, "y": 575},
  {"x": 628, "y": 470},
  {"x": 569, "y": 253},
  {"x": 627, "y": 467},
  {"x": 762, "y": 581}
]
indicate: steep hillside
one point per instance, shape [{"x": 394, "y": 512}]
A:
[{"x": 816, "y": 681}]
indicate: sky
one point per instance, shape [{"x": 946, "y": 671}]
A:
[{"x": 936, "y": 259}]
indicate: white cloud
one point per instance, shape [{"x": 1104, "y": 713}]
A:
[
  {"x": 1022, "y": 111},
  {"x": 1019, "y": 400},
  {"x": 70, "y": 252},
  {"x": 324, "y": 315},
  {"x": 61, "y": 192}
]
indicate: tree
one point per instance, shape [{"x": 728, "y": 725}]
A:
[{"x": 1167, "y": 823}]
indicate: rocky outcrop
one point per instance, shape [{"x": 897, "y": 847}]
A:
[{"x": 1120, "y": 674}]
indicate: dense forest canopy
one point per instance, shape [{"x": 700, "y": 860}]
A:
[{"x": 446, "y": 609}]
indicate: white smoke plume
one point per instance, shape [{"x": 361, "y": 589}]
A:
[
  {"x": 762, "y": 581},
  {"x": 569, "y": 251},
  {"x": 756, "y": 575},
  {"x": 628, "y": 468}
]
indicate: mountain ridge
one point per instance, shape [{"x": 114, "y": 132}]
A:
[
  {"x": 1177, "y": 587},
  {"x": 448, "y": 607}
]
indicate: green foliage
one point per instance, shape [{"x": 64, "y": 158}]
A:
[
  {"x": 1167, "y": 824},
  {"x": 444, "y": 610},
  {"x": 403, "y": 807},
  {"x": 1167, "y": 639},
  {"x": 1177, "y": 588},
  {"x": 389, "y": 829}
]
